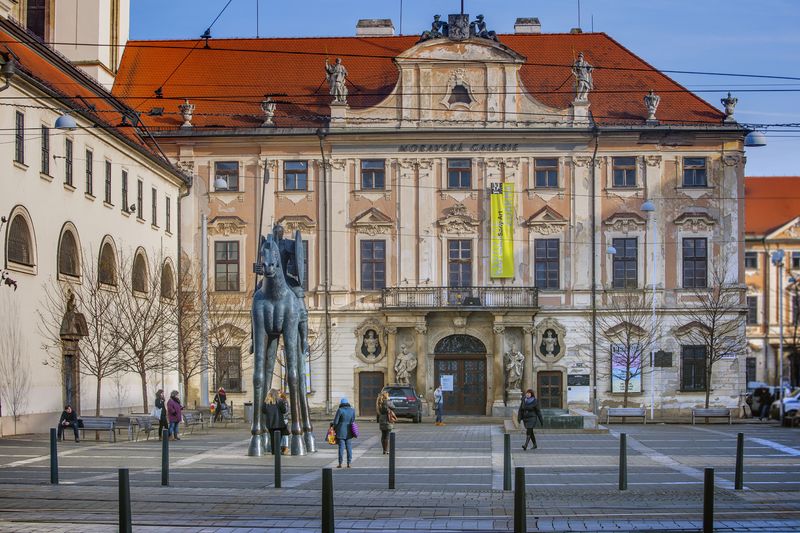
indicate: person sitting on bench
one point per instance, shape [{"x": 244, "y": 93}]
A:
[{"x": 68, "y": 420}]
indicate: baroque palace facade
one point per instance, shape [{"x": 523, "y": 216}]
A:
[{"x": 387, "y": 161}]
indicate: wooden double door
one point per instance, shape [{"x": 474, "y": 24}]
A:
[
  {"x": 468, "y": 396},
  {"x": 550, "y": 389}
]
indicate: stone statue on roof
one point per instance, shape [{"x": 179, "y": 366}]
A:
[
  {"x": 337, "y": 76},
  {"x": 583, "y": 78}
]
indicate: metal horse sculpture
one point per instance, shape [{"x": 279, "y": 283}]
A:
[{"x": 277, "y": 311}]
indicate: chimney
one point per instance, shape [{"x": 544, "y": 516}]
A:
[
  {"x": 528, "y": 25},
  {"x": 374, "y": 28}
]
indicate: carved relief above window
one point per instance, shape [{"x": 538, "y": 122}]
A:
[{"x": 459, "y": 92}]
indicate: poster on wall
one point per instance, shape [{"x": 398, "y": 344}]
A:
[
  {"x": 446, "y": 381},
  {"x": 621, "y": 360},
  {"x": 502, "y": 213}
]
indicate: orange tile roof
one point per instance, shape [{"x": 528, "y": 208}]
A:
[
  {"x": 227, "y": 81},
  {"x": 770, "y": 202},
  {"x": 70, "y": 88}
]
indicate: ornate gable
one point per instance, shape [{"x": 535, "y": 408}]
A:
[
  {"x": 546, "y": 221},
  {"x": 372, "y": 222}
]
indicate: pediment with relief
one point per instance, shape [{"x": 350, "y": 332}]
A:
[
  {"x": 458, "y": 220},
  {"x": 226, "y": 225},
  {"x": 372, "y": 222},
  {"x": 695, "y": 221},
  {"x": 625, "y": 222},
  {"x": 546, "y": 221}
]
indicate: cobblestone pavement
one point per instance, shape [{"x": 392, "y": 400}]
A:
[{"x": 448, "y": 479}]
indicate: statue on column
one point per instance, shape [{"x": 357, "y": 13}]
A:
[
  {"x": 337, "y": 77},
  {"x": 514, "y": 363},
  {"x": 404, "y": 365},
  {"x": 583, "y": 78}
]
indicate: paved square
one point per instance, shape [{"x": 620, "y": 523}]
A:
[{"x": 448, "y": 479}]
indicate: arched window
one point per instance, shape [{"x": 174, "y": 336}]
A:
[
  {"x": 107, "y": 268},
  {"x": 167, "y": 281},
  {"x": 140, "y": 273},
  {"x": 68, "y": 256},
  {"x": 20, "y": 243}
]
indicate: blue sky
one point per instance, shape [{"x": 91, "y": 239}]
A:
[{"x": 726, "y": 36}]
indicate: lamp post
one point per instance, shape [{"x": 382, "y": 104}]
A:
[
  {"x": 649, "y": 208},
  {"x": 777, "y": 260}
]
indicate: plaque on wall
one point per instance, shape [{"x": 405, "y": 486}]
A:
[
  {"x": 577, "y": 380},
  {"x": 663, "y": 359}
]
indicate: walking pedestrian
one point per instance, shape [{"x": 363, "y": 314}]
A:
[
  {"x": 68, "y": 420},
  {"x": 160, "y": 412},
  {"x": 438, "y": 405},
  {"x": 345, "y": 416},
  {"x": 275, "y": 409},
  {"x": 174, "y": 414},
  {"x": 219, "y": 403},
  {"x": 386, "y": 418},
  {"x": 528, "y": 413}
]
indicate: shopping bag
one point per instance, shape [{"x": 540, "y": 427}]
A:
[{"x": 331, "y": 436}]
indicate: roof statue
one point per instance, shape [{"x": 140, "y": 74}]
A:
[
  {"x": 337, "y": 76},
  {"x": 583, "y": 78}
]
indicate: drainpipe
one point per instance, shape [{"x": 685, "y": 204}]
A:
[
  {"x": 321, "y": 134},
  {"x": 596, "y": 133}
]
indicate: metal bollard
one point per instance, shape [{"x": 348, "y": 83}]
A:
[
  {"x": 507, "y": 461},
  {"x": 708, "y": 501},
  {"x": 53, "y": 457},
  {"x": 520, "y": 512},
  {"x": 276, "y": 437},
  {"x": 623, "y": 461},
  {"x": 327, "y": 501},
  {"x": 739, "y": 479},
  {"x": 165, "y": 457},
  {"x": 124, "y": 501},
  {"x": 391, "y": 460}
]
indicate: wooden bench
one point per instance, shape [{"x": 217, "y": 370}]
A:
[
  {"x": 192, "y": 419},
  {"x": 712, "y": 412},
  {"x": 98, "y": 424},
  {"x": 626, "y": 412}
]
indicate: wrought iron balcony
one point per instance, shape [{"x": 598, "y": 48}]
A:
[{"x": 459, "y": 297}]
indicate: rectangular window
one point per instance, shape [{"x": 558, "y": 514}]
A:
[
  {"x": 695, "y": 263},
  {"x": 19, "y": 139},
  {"x": 459, "y": 174},
  {"x": 624, "y": 170},
  {"x": 694, "y": 172},
  {"x": 546, "y": 171},
  {"x": 154, "y": 207},
  {"x": 228, "y": 172},
  {"x": 459, "y": 263},
  {"x": 626, "y": 264},
  {"x": 693, "y": 368},
  {"x": 125, "y": 191},
  {"x": 89, "y": 173},
  {"x": 45, "y": 150},
  {"x": 226, "y": 265},
  {"x": 545, "y": 259},
  {"x": 68, "y": 161},
  {"x": 169, "y": 214},
  {"x": 229, "y": 368},
  {"x": 751, "y": 260},
  {"x": 752, "y": 310},
  {"x": 140, "y": 200},
  {"x": 795, "y": 260},
  {"x": 749, "y": 370},
  {"x": 373, "y": 174},
  {"x": 373, "y": 265},
  {"x": 295, "y": 175},
  {"x": 107, "y": 191}
]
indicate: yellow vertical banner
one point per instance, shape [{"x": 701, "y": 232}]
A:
[{"x": 502, "y": 228}]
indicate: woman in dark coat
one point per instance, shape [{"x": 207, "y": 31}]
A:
[
  {"x": 528, "y": 413},
  {"x": 274, "y": 413},
  {"x": 162, "y": 418}
]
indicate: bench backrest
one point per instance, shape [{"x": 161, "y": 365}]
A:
[{"x": 701, "y": 411}]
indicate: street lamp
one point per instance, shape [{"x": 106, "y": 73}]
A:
[
  {"x": 650, "y": 208},
  {"x": 777, "y": 260}
]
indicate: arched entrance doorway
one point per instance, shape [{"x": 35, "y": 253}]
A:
[{"x": 462, "y": 360}]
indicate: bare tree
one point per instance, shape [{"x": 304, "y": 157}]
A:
[
  {"x": 98, "y": 352},
  {"x": 15, "y": 372},
  {"x": 146, "y": 327},
  {"x": 627, "y": 331},
  {"x": 716, "y": 321}
]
